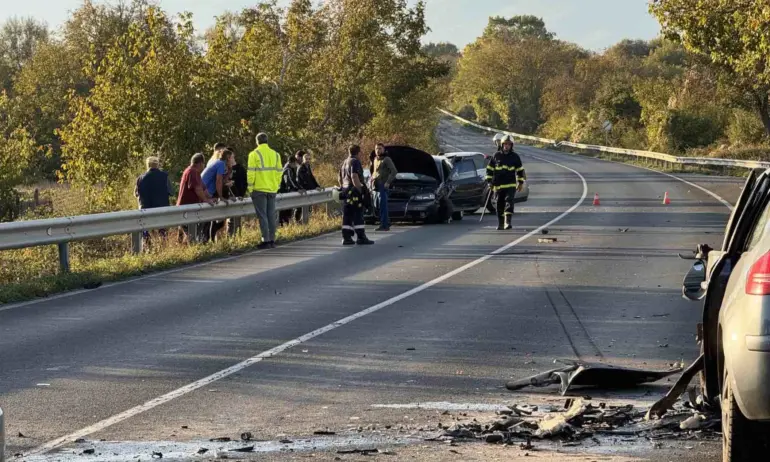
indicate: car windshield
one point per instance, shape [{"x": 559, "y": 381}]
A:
[{"x": 407, "y": 176}]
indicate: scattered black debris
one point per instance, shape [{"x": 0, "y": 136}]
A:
[
  {"x": 577, "y": 373},
  {"x": 544, "y": 232},
  {"x": 89, "y": 451},
  {"x": 247, "y": 436},
  {"x": 185, "y": 427},
  {"x": 243, "y": 449},
  {"x": 157, "y": 455},
  {"x": 223, "y": 439},
  {"x": 411, "y": 349},
  {"x": 80, "y": 441},
  {"x": 21, "y": 435},
  {"x": 324, "y": 433},
  {"x": 662, "y": 315},
  {"x": 495, "y": 438},
  {"x": 665, "y": 345},
  {"x": 286, "y": 441},
  {"x": 203, "y": 451},
  {"x": 363, "y": 452}
]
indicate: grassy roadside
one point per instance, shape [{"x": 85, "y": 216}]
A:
[{"x": 31, "y": 273}]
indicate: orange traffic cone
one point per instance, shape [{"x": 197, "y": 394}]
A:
[
  {"x": 596, "y": 200},
  {"x": 666, "y": 199}
]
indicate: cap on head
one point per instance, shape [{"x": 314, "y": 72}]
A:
[{"x": 262, "y": 138}]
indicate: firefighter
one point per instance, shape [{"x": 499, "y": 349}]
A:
[
  {"x": 351, "y": 181},
  {"x": 506, "y": 174}
]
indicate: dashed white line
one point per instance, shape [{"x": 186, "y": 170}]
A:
[{"x": 108, "y": 422}]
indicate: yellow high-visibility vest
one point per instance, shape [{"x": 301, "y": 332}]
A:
[{"x": 265, "y": 170}]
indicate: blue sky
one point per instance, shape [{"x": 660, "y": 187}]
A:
[{"x": 594, "y": 24}]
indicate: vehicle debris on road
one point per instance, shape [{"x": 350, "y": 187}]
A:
[
  {"x": 580, "y": 420},
  {"x": 578, "y": 373}
]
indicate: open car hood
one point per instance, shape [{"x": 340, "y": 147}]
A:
[{"x": 411, "y": 160}]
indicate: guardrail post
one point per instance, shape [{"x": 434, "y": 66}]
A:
[
  {"x": 2, "y": 436},
  {"x": 64, "y": 257},
  {"x": 136, "y": 243},
  {"x": 193, "y": 233},
  {"x": 305, "y": 214}
]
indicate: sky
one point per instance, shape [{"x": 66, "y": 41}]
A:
[{"x": 593, "y": 24}]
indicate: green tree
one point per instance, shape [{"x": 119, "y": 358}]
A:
[
  {"x": 517, "y": 27},
  {"x": 145, "y": 101},
  {"x": 732, "y": 33},
  {"x": 19, "y": 38}
]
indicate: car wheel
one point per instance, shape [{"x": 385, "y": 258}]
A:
[
  {"x": 458, "y": 216},
  {"x": 742, "y": 440}
]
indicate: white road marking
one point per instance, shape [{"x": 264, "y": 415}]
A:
[
  {"x": 108, "y": 422},
  {"x": 446, "y": 406}
]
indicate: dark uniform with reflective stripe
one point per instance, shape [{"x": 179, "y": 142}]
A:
[
  {"x": 505, "y": 172},
  {"x": 353, "y": 201}
]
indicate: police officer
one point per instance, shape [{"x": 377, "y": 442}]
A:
[
  {"x": 506, "y": 174},
  {"x": 351, "y": 180}
]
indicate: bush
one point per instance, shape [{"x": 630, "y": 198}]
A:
[
  {"x": 687, "y": 130},
  {"x": 745, "y": 127},
  {"x": 10, "y": 206},
  {"x": 467, "y": 112}
]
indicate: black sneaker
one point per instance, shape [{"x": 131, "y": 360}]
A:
[
  {"x": 365, "y": 241},
  {"x": 263, "y": 246},
  {"x": 382, "y": 229},
  {"x": 348, "y": 242},
  {"x": 272, "y": 244}
]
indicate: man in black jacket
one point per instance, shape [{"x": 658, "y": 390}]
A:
[
  {"x": 506, "y": 174},
  {"x": 305, "y": 178},
  {"x": 289, "y": 184},
  {"x": 153, "y": 189}
]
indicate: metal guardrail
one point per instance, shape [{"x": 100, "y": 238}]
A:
[
  {"x": 703, "y": 161},
  {"x": 61, "y": 231}
]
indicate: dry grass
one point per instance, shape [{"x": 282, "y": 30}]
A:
[{"x": 31, "y": 273}]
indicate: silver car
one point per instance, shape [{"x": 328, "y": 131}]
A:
[{"x": 734, "y": 283}]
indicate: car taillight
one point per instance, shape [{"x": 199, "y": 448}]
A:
[{"x": 758, "y": 279}]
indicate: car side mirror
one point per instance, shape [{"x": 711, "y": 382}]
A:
[{"x": 693, "y": 284}]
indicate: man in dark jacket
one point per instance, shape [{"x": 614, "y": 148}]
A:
[
  {"x": 153, "y": 189},
  {"x": 289, "y": 184},
  {"x": 506, "y": 174},
  {"x": 237, "y": 190},
  {"x": 351, "y": 180},
  {"x": 305, "y": 179}
]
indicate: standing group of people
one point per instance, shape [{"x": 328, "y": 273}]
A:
[{"x": 222, "y": 177}]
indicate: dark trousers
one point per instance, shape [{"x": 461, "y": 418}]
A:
[
  {"x": 353, "y": 216},
  {"x": 382, "y": 195},
  {"x": 504, "y": 205}
]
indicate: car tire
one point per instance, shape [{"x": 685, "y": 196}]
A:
[
  {"x": 742, "y": 440},
  {"x": 458, "y": 216}
]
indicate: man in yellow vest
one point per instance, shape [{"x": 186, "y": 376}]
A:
[{"x": 264, "y": 178}]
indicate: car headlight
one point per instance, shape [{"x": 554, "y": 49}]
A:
[{"x": 424, "y": 197}]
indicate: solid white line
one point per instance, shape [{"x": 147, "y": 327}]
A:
[{"x": 292, "y": 343}]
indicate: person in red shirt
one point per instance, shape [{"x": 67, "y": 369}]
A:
[{"x": 191, "y": 190}]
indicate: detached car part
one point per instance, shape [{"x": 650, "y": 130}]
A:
[{"x": 582, "y": 374}]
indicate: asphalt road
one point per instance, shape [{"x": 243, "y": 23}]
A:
[{"x": 607, "y": 290}]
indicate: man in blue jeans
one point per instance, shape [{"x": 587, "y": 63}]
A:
[{"x": 382, "y": 177}]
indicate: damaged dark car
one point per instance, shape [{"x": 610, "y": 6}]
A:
[{"x": 422, "y": 189}]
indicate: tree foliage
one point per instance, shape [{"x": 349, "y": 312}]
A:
[
  {"x": 732, "y": 34},
  {"x": 122, "y": 81}
]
